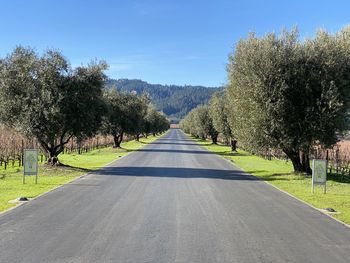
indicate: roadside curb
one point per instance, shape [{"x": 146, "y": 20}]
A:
[
  {"x": 283, "y": 191},
  {"x": 2, "y": 213}
]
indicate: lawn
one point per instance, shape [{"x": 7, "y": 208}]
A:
[
  {"x": 11, "y": 186},
  {"x": 280, "y": 174}
]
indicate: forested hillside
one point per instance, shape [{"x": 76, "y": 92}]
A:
[{"x": 174, "y": 101}]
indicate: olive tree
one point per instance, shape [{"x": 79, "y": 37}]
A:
[
  {"x": 186, "y": 124},
  {"x": 114, "y": 120},
  {"x": 125, "y": 115},
  {"x": 155, "y": 121},
  {"x": 137, "y": 109},
  {"x": 199, "y": 123},
  {"x": 289, "y": 94},
  {"x": 218, "y": 115},
  {"x": 43, "y": 97}
]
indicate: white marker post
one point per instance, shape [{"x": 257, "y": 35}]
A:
[
  {"x": 319, "y": 173},
  {"x": 30, "y": 164}
]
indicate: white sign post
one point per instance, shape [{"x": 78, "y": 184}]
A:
[
  {"x": 30, "y": 164},
  {"x": 319, "y": 173}
]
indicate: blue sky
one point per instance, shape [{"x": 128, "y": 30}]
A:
[{"x": 167, "y": 42}]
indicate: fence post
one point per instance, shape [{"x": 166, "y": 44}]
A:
[{"x": 337, "y": 160}]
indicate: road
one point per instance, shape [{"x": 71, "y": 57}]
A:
[{"x": 171, "y": 201}]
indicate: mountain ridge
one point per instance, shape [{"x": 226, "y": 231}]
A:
[{"x": 174, "y": 100}]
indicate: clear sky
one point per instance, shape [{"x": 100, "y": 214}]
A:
[{"x": 167, "y": 42}]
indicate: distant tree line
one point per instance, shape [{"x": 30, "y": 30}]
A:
[
  {"x": 175, "y": 101},
  {"x": 43, "y": 97},
  {"x": 283, "y": 93}
]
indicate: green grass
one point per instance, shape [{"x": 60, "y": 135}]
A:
[
  {"x": 11, "y": 186},
  {"x": 280, "y": 174}
]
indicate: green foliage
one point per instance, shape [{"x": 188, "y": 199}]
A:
[
  {"x": 130, "y": 114},
  {"x": 155, "y": 121},
  {"x": 218, "y": 114},
  {"x": 43, "y": 97},
  {"x": 199, "y": 123},
  {"x": 289, "y": 94},
  {"x": 136, "y": 112}
]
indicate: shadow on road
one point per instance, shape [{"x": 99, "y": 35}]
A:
[
  {"x": 172, "y": 143},
  {"x": 173, "y": 172},
  {"x": 176, "y": 151}
]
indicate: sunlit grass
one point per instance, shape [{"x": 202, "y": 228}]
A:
[
  {"x": 280, "y": 174},
  {"x": 11, "y": 186}
]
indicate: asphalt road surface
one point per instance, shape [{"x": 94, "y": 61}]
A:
[{"x": 172, "y": 201}]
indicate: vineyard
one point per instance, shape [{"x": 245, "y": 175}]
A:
[
  {"x": 12, "y": 145},
  {"x": 337, "y": 157}
]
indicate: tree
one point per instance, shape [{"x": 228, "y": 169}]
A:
[
  {"x": 115, "y": 119},
  {"x": 43, "y": 97},
  {"x": 199, "y": 123},
  {"x": 155, "y": 121},
  {"x": 218, "y": 114},
  {"x": 137, "y": 109},
  {"x": 125, "y": 114},
  {"x": 186, "y": 124},
  {"x": 288, "y": 94}
]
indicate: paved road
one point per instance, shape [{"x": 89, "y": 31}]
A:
[{"x": 172, "y": 201}]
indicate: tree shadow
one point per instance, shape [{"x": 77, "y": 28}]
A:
[
  {"x": 277, "y": 177},
  {"x": 174, "y": 172},
  {"x": 122, "y": 150},
  {"x": 174, "y": 143},
  {"x": 72, "y": 168},
  {"x": 176, "y": 151},
  {"x": 231, "y": 154},
  {"x": 339, "y": 178}
]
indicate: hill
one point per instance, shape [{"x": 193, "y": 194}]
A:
[{"x": 175, "y": 101}]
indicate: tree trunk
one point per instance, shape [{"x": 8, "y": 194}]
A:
[
  {"x": 53, "y": 152},
  {"x": 121, "y": 137},
  {"x": 53, "y": 159},
  {"x": 54, "y": 148},
  {"x": 233, "y": 145},
  {"x": 117, "y": 138},
  {"x": 214, "y": 139},
  {"x": 137, "y": 137},
  {"x": 116, "y": 141},
  {"x": 294, "y": 156},
  {"x": 305, "y": 162}
]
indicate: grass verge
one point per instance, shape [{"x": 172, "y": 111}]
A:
[
  {"x": 280, "y": 174},
  {"x": 11, "y": 186}
]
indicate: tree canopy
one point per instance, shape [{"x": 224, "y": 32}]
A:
[
  {"x": 200, "y": 124},
  {"x": 218, "y": 114},
  {"x": 290, "y": 94},
  {"x": 43, "y": 97},
  {"x": 131, "y": 114},
  {"x": 284, "y": 93}
]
